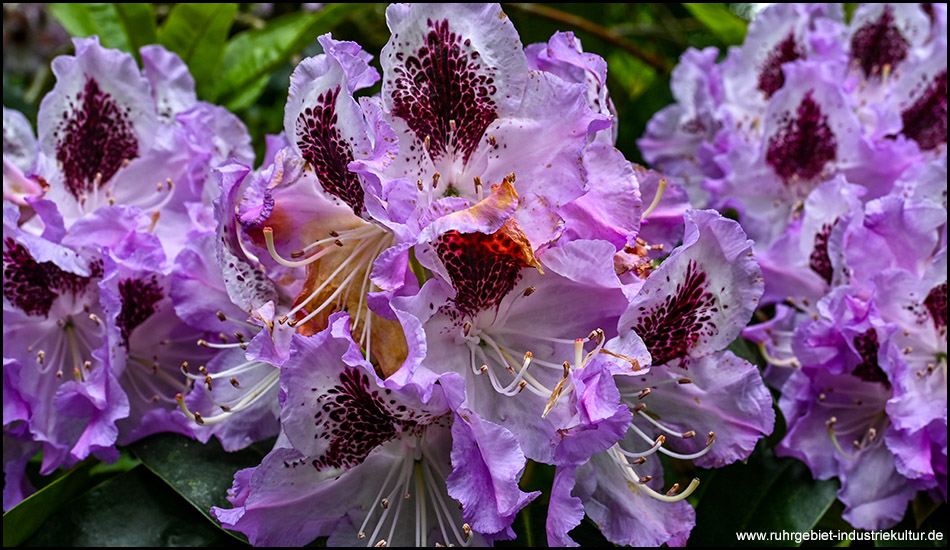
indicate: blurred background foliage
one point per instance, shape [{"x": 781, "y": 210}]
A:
[{"x": 242, "y": 55}]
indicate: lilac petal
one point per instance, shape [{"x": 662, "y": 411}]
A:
[
  {"x": 564, "y": 57},
  {"x": 725, "y": 396},
  {"x": 325, "y": 122},
  {"x": 487, "y": 463},
  {"x": 565, "y": 511},
  {"x": 16, "y": 454},
  {"x": 673, "y": 134},
  {"x": 611, "y": 209},
  {"x": 491, "y": 73},
  {"x": 541, "y": 143},
  {"x": 293, "y": 505},
  {"x": 718, "y": 285},
  {"x": 93, "y": 406},
  {"x": 895, "y": 233},
  {"x": 19, "y": 142},
  {"x": 874, "y": 494},
  {"x": 625, "y": 515},
  {"x": 97, "y": 91},
  {"x": 173, "y": 87}
]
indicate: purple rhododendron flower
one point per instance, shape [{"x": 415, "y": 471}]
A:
[{"x": 852, "y": 249}]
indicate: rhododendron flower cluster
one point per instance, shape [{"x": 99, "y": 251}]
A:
[
  {"x": 415, "y": 292},
  {"x": 828, "y": 142}
]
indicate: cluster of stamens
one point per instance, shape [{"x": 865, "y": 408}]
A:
[{"x": 414, "y": 474}]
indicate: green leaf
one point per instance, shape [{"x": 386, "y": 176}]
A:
[
  {"x": 197, "y": 33},
  {"x": 253, "y": 54},
  {"x": 131, "y": 509},
  {"x": 727, "y": 26},
  {"x": 25, "y": 518},
  {"x": 766, "y": 494},
  {"x": 127, "y": 27},
  {"x": 202, "y": 473}
]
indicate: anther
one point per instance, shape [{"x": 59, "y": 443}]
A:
[
  {"x": 198, "y": 418},
  {"x": 639, "y": 407},
  {"x": 40, "y": 356},
  {"x": 710, "y": 438},
  {"x": 203, "y": 343},
  {"x": 382, "y": 543},
  {"x": 361, "y": 535},
  {"x": 223, "y": 337},
  {"x": 521, "y": 385},
  {"x": 685, "y": 381},
  {"x": 338, "y": 242},
  {"x": 87, "y": 365},
  {"x": 453, "y": 126},
  {"x": 235, "y": 383},
  {"x": 221, "y": 316},
  {"x": 384, "y": 503},
  {"x": 645, "y": 479},
  {"x": 94, "y": 318},
  {"x": 529, "y": 291},
  {"x": 639, "y": 461},
  {"x": 239, "y": 336},
  {"x": 427, "y": 143},
  {"x": 689, "y": 434},
  {"x": 420, "y": 185},
  {"x": 435, "y": 179},
  {"x": 492, "y": 141},
  {"x": 466, "y": 328},
  {"x": 208, "y": 382},
  {"x": 673, "y": 489},
  {"x": 644, "y": 392},
  {"x": 184, "y": 367},
  {"x": 466, "y": 531},
  {"x": 59, "y": 373},
  {"x": 203, "y": 370}
]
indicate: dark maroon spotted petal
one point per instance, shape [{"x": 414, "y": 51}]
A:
[
  {"x": 444, "y": 92},
  {"x": 33, "y": 286},
  {"x": 355, "y": 417},
  {"x": 701, "y": 296},
  {"x": 139, "y": 298},
  {"x": 867, "y": 346},
  {"x": 926, "y": 120},
  {"x": 879, "y": 44},
  {"x": 483, "y": 267},
  {"x": 449, "y": 72},
  {"x": 94, "y": 140},
  {"x": 323, "y": 147},
  {"x": 804, "y": 143},
  {"x": 936, "y": 304},
  {"x": 771, "y": 76},
  {"x": 819, "y": 261},
  {"x": 670, "y": 330}
]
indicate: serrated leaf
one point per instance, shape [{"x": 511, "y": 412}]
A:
[
  {"x": 202, "y": 473},
  {"x": 131, "y": 509},
  {"x": 197, "y": 33},
  {"x": 766, "y": 494},
  {"x": 126, "y": 27},
  {"x": 253, "y": 54},
  {"x": 727, "y": 26}
]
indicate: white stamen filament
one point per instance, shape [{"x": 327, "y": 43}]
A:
[
  {"x": 668, "y": 452},
  {"x": 661, "y": 188},
  {"x": 788, "y": 362},
  {"x": 252, "y": 396},
  {"x": 631, "y": 475}
]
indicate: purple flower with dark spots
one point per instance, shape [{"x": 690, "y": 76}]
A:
[{"x": 444, "y": 475}]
